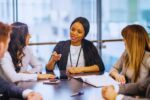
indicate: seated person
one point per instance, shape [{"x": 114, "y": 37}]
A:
[
  {"x": 77, "y": 55},
  {"x": 19, "y": 42},
  {"x": 134, "y": 64},
  {"x": 127, "y": 91},
  {"x": 8, "y": 90},
  {"x": 15, "y": 61}
]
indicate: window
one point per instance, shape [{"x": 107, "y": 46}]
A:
[
  {"x": 116, "y": 14},
  {"x": 51, "y": 20},
  {"x": 6, "y": 11}
]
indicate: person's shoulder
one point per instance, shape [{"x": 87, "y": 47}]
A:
[
  {"x": 63, "y": 42},
  {"x": 146, "y": 58},
  {"x": 27, "y": 48},
  {"x": 124, "y": 53},
  {"x": 6, "y": 56},
  {"x": 85, "y": 41},
  {"x": 147, "y": 55}
]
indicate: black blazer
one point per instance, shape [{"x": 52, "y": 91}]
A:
[
  {"x": 9, "y": 90},
  {"x": 90, "y": 52}
]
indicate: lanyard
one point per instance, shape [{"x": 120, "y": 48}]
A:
[{"x": 77, "y": 59}]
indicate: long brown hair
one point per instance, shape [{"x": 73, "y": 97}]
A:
[
  {"x": 136, "y": 40},
  {"x": 17, "y": 43}
]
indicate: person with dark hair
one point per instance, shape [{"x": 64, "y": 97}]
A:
[
  {"x": 14, "y": 64},
  {"x": 19, "y": 50},
  {"x": 8, "y": 90},
  {"x": 77, "y": 55}
]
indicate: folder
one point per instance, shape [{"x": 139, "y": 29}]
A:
[{"x": 97, "y": 80}]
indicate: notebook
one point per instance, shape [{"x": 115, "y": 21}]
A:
[{"x": 98, "y": 80}]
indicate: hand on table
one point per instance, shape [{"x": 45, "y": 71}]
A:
[
  {"x": 46, "y": 76},
  {"x": 120, "y": 78},
  {"x": 34, "y": 96},
  {"x": 109, "y": 93},
  {"x": 75, "y": 70}
]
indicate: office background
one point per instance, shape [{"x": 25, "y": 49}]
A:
[{"x": 49, "y": 21}]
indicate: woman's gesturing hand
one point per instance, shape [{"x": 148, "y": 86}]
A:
[{"x": 56, "y": 56}]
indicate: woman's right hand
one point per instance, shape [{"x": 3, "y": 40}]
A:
[
  {"x": 46, "y": 76},
  {"x": 55, "y": 56},
  {"x": 120, "y": 78}
]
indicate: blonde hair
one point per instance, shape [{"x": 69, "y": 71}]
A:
[{"x": 136, "y": 39}]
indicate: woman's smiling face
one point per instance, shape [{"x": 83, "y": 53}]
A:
[{"x": 77, "y": 33}]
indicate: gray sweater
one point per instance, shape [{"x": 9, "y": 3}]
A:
[{"x": 144, "y": 68}]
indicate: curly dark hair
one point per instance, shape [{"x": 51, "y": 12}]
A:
[{"x": 17, "y": 43}]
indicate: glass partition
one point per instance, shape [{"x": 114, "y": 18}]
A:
[
  {"x": 6, "y": 11},
  {"x": 116, "y": 14},
  {"x": 49, "y": 20}
]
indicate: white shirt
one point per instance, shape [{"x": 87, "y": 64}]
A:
[
  {"x": 7, "y": 71},
  {"x": 74, "y": 51},
  {"x": 30, "y": 59}
]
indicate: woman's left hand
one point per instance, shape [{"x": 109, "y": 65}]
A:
[
  {"x": 75, "y": 70},
  {"x": 109, "y": 93}
]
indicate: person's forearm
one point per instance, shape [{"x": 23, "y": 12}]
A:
[
  {"x": 93, "y": 68},
  {"x": 140, "y": 88},
  {"x": 14, "y": 91},
  {"x": 133, "y": 98},
  {"x": 50, "y": 65},
  {"x": 10, "y": 90}
]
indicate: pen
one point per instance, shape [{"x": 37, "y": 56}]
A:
[{"x": 77, "y": 93}]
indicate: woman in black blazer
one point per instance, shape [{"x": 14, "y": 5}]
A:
[{"x": 77, "y": 55}]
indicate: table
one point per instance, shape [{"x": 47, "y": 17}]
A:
[{"x": 64, "y": 90}]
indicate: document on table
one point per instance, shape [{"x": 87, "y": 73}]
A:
[{"x": 98, "y": 80}]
